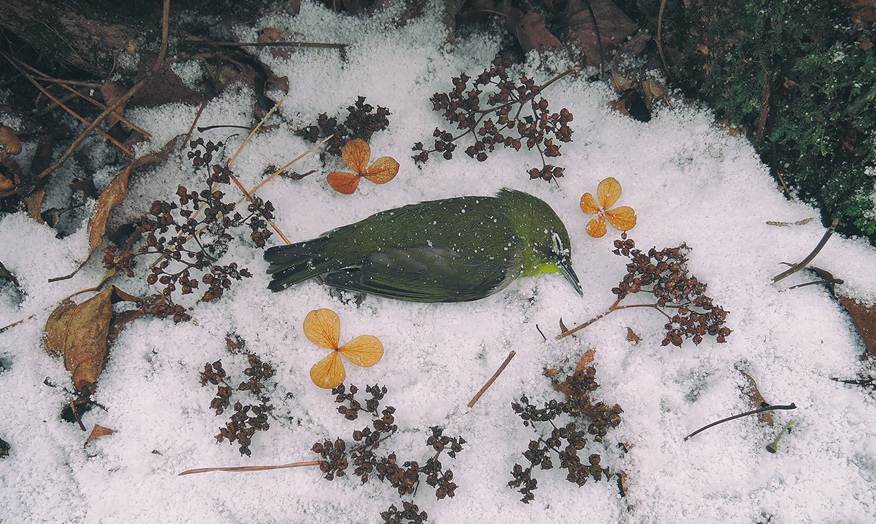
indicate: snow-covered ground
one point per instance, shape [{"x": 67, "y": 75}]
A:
[{"x": 689, "y": 182}]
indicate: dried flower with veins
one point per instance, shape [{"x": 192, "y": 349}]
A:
[
  {"x": 323, "y": 328},
  {"x": 608, "y": 192},
  {"x": 356, "y": 154}
]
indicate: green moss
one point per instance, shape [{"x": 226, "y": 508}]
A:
[{"x": 820, "y": 134}]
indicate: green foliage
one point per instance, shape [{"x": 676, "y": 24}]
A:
[{"x": 817, "y": 59}]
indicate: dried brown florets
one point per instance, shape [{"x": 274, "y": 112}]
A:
[
  {"x": 514, "y": 115},
  {"x": 362, "y": 121},
  {"x": 192, "y": 233},
  {"x": 360, "y": 452},
  {"x": 248, "y": 418},
  {"x": 572, "y": 422},
  {"x": 664, "y": 274}
]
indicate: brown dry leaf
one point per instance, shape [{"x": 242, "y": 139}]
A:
[
  {"x": 632, "y": 336},
  {"x": 79, "y": 333},
  {"x": 115, "y": 193},
  {"x": 654, "y": 91},
  {"x": 270, "y": 35},
  {"x": 614, "y": 27},
  {"x": 96, "y": 432},
  {"x": 585, "y": 360},
  {"x": 10, "y": 176},
  {"x": 551, "y": 372},
  {"x": 621, "y": 82},
  {"x": 757, "y": 401},
  {"x": 34, "y": 203},
  {"x": 9, "y": 143},
  {"x": 530, "y": 31},
  {"x": 864, "y": 319},
  {"x": 6, "y": 184},
  {"x": 111, "y": 93}
]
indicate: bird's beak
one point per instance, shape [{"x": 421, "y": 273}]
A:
[{"x": 565, "y": 266}]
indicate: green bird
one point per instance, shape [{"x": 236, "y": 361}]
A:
[{"x": 452, "y": 250}]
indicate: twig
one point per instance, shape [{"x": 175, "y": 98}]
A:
[
  {"x": 192, "y": 127},
  {"x": 17, "y": 322},
  {"x": 66, "y": 85},
  {"x": 797, "y": 223},
  {"x": 764, "y": 104},
  {"x": 236, "y": 180},
  {"x": 541, "y": 333},
  {"x": 121, "y": 147},
  {"x": 76, "y": 414},
  {"x": 313, "y": 45},
  {"x": 288, "y": 164},
  {"x": 249, "y": 469},
  {"x": 802, "y": 264},
  {"x": 202, "y": 129},
  {"x": 73, "y": 274},
  {"x": 579, "y": 327},
  {"x": 486, "y": 386},
  {"x": 740, "y": 415},
  {"x": 658, "y": 39},
  {"x": 119, "y": 102}
]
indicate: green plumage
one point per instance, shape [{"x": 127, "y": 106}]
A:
[{"x": 451, "y": 250}]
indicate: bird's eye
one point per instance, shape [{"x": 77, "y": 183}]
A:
[{"x": 557, "y": 246}]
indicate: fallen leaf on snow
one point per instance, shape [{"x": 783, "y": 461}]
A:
[
  {"x": 864, "y": 319},
  {"x": 96, "y": 432},
  {"x": 9, "y": 143},
  {"x": 632, "y": 336}
]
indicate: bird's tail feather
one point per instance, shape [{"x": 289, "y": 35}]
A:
[{"x": 295, "y": 263}]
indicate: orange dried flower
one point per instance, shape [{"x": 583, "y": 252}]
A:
[
  {"x": 356, "y": 153},
  {"x": 608, "y": 192},
  {"x": 323, "y": 328}
]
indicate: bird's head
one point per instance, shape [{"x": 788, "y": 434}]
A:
[
  {"x": 555, "y": 248},
  {"x": 549, "y": 249}
]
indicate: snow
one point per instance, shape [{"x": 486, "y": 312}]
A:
[{"x": 688, "y": 181}]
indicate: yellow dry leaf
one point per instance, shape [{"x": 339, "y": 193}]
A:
[
  {"x": 34, "y": 203},
  {"x": 329, "y": 372},
  {"x": 98, "y": 431},
  {"x": 323, "y": 328},
  {"x": 364, "y": 350}
]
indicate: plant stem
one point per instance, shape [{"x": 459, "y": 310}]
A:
[
  {"x": 489, "y": 382},
  {"x": 250, "y": 469},
  {"x": 802, "y": 264},
  {"x": 740, "y": 415}
]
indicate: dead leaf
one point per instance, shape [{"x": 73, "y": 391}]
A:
[
  {"x": 79, "y": 333},
  {"x": 530, "y": 31},
  {"x": 614, "y": 27},
  {"x": 96, "y": 432},
  {"x": 111, "y": 93},
  {"x": 6, "y": 184},
  {"x": 551, "y": 372},
  {"x": 864, "y": 320},
  {"x": 115, "y": 193},
  {"x": 9, "y": 143},
  {"x": 620, "y": 82},
  {"x": 10, "y": 176},
  {"x": 754, "y": 396},
  {"x": 293, "y": 6},
  {"x": 34, "y": 203},
  {"x": 270, "y": 35},
  {"x": 563, "y": 328},
  {"x": 653, "y": 92},
  {"x": 632, "y": 336},
  {"x": 585, "y": 360}
]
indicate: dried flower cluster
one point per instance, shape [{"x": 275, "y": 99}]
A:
[
  {"x": 664, "y": 274},
  {"x": 573, "y": 422},
  {"x": 522, "y": 118},
  {"x": 248, "y": 418},
  {"x": 192, "y": 233},
  {"x": 361, "y": 453},
  {"x": 362, "y": 121}
]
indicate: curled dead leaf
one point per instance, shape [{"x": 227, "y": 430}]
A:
[
  {"x": 9, "y": 143},
  {"x": 111, "y": 93},
  {"x": 79, "y": 333},
  {"x": 531, "y": 31},
  {"x": 864, "y": 320},
  {"x": 754, "y": 396},
  {"x": 620, "y": 82},
  {"x": 34, "y": 203},
  {"x": 114, "y": 194},
  {"x": 96, "y": 432},
  {"x": 585, "y": 360},
  {"x": 632, "y": 336},
  {"x": 653, "y": 92}
]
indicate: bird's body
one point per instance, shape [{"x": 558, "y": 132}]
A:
[{"x": 451, "y": 250}]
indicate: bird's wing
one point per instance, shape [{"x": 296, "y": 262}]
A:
[{"x": 424, "y": 274}]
